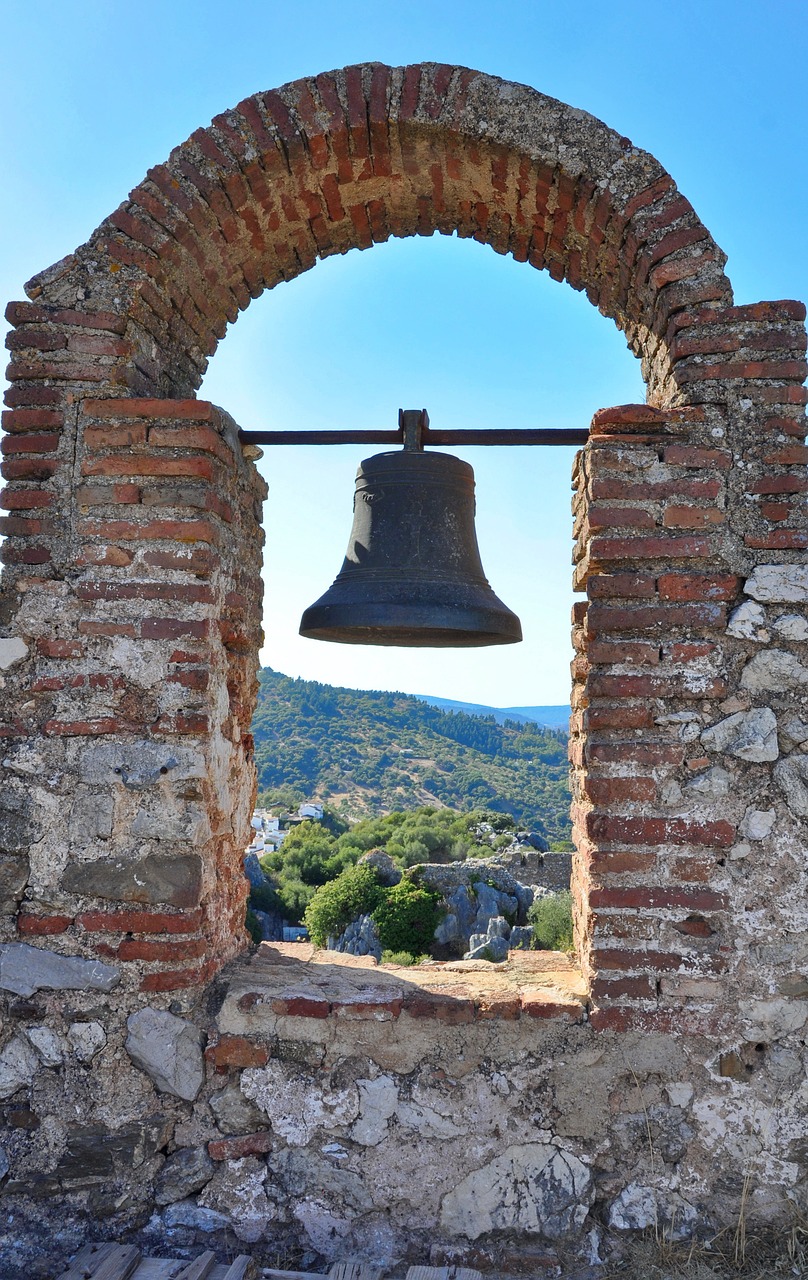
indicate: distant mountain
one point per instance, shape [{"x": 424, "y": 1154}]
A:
[
  {"x": 549, "y": 717},
  {"x": 366, "y": 753}
]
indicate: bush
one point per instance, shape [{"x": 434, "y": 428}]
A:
[
  {"x": 356, "y": 892},
  {"x": 551, "y": 918},
  {"x": 402, "y": 958},
  {"x": 406, "y": 917}
]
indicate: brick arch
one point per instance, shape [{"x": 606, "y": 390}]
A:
[{"x": 350, "y": 158}]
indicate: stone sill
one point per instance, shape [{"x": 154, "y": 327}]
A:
[{"x": 295, "y": 980}]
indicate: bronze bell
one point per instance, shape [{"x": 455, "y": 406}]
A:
[{"x": 412, "y": 573}]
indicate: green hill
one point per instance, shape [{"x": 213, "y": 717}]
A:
[{"x": 366, "y": 753}]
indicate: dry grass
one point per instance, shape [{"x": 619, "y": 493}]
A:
[{"x": 746, "y": 1254}]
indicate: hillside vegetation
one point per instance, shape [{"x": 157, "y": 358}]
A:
[{"x": 367, "y": 753}]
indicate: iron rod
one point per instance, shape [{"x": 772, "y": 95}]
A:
[{"x": 484, "y": 436}]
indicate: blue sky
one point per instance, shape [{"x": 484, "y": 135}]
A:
[{"x": 92, "y": 94}]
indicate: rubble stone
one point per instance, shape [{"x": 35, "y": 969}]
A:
[
  {"x": 87, "y": 1039},
  {"x": 747, "y": 622},
  {"x": 772, "y": 670},
  {"x": 168, "y": 1049},
  {"x": 18, "y": 1065},
  {"x": 25, "y": 969},
  {"x": 533, "y": 1187},
  {"x": 184, "y": 1172},
  {"x": 776, "y": 583},
  {"x": 791, "y": 774},
  {"x": 749, "y": 735}
]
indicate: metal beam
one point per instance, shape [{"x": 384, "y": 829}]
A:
[{"x": 461, "y": 436}]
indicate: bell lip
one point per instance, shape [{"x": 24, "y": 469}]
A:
[{"x": 424, "y": 627}]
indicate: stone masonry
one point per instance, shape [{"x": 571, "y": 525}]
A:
[{"x": 144, "y": 1091}]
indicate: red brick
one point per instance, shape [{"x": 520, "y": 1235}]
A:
[
  {"x": 171, "y": 530},
  {"x": 38, "y": 926},
  {"x": 173, "y": 628},
  {"x": 619, "y": 517},
  {"x": 619, "y": 717},
  {"x": 300, "y": 1007},
  {"x": 60, "y": 648},
  {"x": 620, "y": 686},
  {"x": 28, "y": 468},
  {"x": 15, "y": 420},
  {"x": 602, "y": 586},
  {"x": 34, "y": 313},
  {"x": 116, "y": 557},
  {"x": 605, "y": 791},
  {"x": 141, "y": 949},
  {"x": 121, "y": 436},
  {"x": 236, "y": 1051},
  {"x": 779, "y": 484},
  {"x": 638, "y": 988},
  {"x": 25, "y": 499},
  {"x": 677, "y": 831},
  {"x": 604, "y": 619},
  {"x": 248, "y": 1144},
  {"x": 699, "y": 586},
  {"x": 177, "y": 979},
  {"x": 85, "y": 728},
  {"x": 187, "y": 410},
  {"x": 139, "y": 921},
  {"x": 88, "y": 627},
  {"x": 692, "y": 517},
  {"x": 31, "y": 442},
  {"x": 684, "y": 455},
  {"x": 779, "y": 540},
  {"x": 135, "y": 465},
  {"x": 662, "y": 548},
  {"x": 648, "y": 755}
]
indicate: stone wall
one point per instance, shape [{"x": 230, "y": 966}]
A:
[{"x": 129, "y": 633}]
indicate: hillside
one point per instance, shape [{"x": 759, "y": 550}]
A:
[
  {"x": 365, "y": 753},
  {"x": 556, "y": 717}
]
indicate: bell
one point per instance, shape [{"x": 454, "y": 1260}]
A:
[{"x": 412, "y": 573}]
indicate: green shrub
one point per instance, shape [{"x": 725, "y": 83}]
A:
[
  {"x": 551, "y": 917},
  {"x": 355, "y": 892},
  {"x": 401, "y": 957},
  {"x": 406, "y": 917}
]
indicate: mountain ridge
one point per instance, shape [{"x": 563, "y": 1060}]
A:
[
  {"x": 367, "y": 752},
  {"x": 549, "y": 717}
]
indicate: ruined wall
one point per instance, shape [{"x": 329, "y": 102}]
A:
[{"x": 130, "y": 632}]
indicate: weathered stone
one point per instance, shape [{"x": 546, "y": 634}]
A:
[
  {"x": 770, "y": 1020},
  {"x": 4, "y": 1164},
  {"x": 791, "y": 775},
  {"x": 749, "y": 735},
  {"x": 25, "y": 969},
  {"x": 776, "y": 583},
  {"x": 237, "y": 1190},
  {"x": 747, "y": 621},
  {"x": 534, "y": 1187},
  {"x": 792, "y": 626},
  {"x": 14, "y": 874},
  {"x": 47, "y": 1044},
  {"x": 521, "y": 938},
  {"x": 303, "y": 1173},
  {"x": 233, "y": 1112},
  {"x": 91, "y": 817},
  {"x": 773, "y": 670},
  {"x": 176, "y": 881},
  {"x": 168, "y": 1049},
  {"x": 13, "y": 649},
  {"x": 793, "y": 732},
  {"x": 139, "y": 765},
  {"x": 757, "y": 823},
  {"x": 378, "y": 1100},
  {"x": 297, "y": 1103},
  {"x": 186, "y": 1171},
  {"x": 481, "y": 947},
  {"x": 380, "y": 862},
  {"x": 87, "y": 1039},
  {"x": 18, "y": 1066},
  {"x": 637, "y": 1208},
  {"x": 712, "y": 783},
  {"x": 189, "y": 1214}
]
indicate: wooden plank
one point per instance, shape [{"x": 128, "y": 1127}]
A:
[
  {"x": 157, "y": 1269},
  {"x": 120, "y": 1264},
  {"x": 243, "y": 1268},
  {"x": 292, "y": 1275},
  {"x": 86, "y": 1261},
  {"x": 354, "y": 1269},
  {"x": 199, "y": 1269},
  {"x": 443, "y": 1273}
]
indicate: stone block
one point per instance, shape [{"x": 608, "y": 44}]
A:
[
  {"x": 749, "y": 735},
  {"x": 175, "y": 881},
  {"x": 13, "y": 649},
  {"x": 25, "y": 969},
  {"x": 91, "y": 818},
  {"x": 185, "y": 1172},
  {"x": 778, "y": 583},
  {"x": 168, "y": 1049},
  {"x": 139, "y": 765}
]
